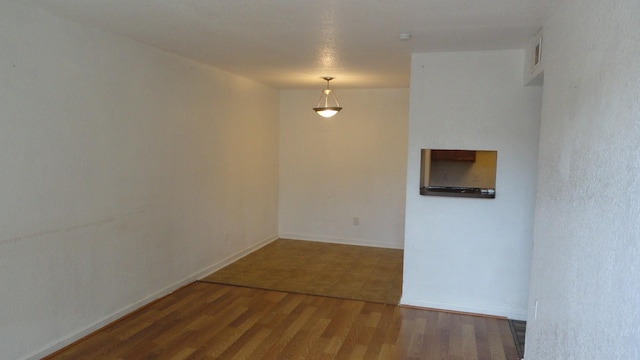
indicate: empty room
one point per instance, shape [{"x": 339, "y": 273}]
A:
[{"x": 411, "y": 179}]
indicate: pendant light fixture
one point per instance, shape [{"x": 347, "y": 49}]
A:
[{"x": 323, "y": 108}]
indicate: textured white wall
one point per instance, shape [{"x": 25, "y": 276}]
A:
[
  {"x": 585, "y": 268},
  {"x": 351, "y": 165},
  {"x": 461, "y": 253},
  {"x": 122, "y": 167}
]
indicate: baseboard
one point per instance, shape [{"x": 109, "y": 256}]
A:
[
  {"x": 232, "y": 258},
  {"x": 508, "y": 313},
  {"x": 344, "y": 241},
  {"x": 67, "y": 340}
]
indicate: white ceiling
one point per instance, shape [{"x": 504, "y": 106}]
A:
[{"x": 292, "y": 43}]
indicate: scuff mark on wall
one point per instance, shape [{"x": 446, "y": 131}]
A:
[{"x": 42, "y": 233}]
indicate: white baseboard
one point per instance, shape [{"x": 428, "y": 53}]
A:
[
  {"x": 345, "y": 241},
  {"x": 232, "y": 258},
  {"x": 102, "y": 322},
  {"x": 510, "y": 313}
]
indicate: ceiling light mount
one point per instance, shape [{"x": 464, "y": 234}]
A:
[
  {"x": 325, "y": 107},
  {"x": 404, "y": 36}
]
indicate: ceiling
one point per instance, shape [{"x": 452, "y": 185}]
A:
[{"x": 293, "y": 43}]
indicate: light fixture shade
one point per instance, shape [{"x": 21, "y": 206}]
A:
[
  {"x": 328, "y": 104},
  {"x": 327, "y": 111}
]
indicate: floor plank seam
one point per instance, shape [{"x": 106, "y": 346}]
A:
[{"x": 295, "y": 292}]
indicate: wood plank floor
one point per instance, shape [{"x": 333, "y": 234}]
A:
[
  {"x": 315, "y": 268},
  {"x": 214, "y": 321}
]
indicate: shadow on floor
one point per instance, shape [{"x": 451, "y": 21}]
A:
[{"x": 518, "y": 330}]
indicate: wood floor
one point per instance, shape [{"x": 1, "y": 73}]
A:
[
  {"x": 214, "y": 321},
  {"x": 315, "y": 268},
  {"x": 298, "y": 300}
]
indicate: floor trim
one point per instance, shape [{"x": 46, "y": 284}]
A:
[
  {"x": 342, "y": 241},
  {"x": 65, "y": 341},
  {"x": 453, "y": 312},
  {"x": 501, "y": 312}
]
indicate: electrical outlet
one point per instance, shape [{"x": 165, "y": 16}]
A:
[{"x": 356, "y": 221}]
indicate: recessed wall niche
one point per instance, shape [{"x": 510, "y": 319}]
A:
[{"x": 459, "y": 173}]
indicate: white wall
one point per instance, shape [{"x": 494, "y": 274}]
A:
[
  {"x": 469, "y": 254},
  {"x": 122, "y": 168},
  {"x": 585, "y": 268},
  {"x": 350, "y": 166}
]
